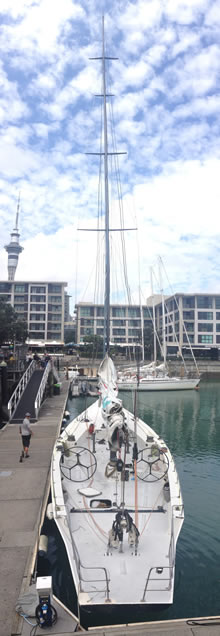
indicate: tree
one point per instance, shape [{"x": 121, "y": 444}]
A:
[
  {"x": 12, "y": 328},
  {"x": 70, "y": 335},
  {"x": 93, "y": 347}
]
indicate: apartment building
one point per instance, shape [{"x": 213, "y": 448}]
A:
[
  {"x": 190, "y": 318},
  {"x": 126, "y": 322},
  {"x": 41, "y": 304}
]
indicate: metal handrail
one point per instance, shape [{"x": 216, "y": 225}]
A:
[
  {"x": 171, "y": 554},
  {"x": 79, "y": 565},
  {"x": 40, "y": 393},
  {"x": 16, "y": 396},
  {"x": 149, "y": 578}
]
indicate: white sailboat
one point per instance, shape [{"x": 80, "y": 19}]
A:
[
  {"x": 116, "y": 495},
  {"x": 153, "y": 377}
]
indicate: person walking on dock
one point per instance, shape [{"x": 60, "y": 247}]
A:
[{"x": 26, "y": 433}]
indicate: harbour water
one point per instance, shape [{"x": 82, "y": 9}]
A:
[{"x": 189, "y": 422}]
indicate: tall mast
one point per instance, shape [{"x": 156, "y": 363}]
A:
[
  {"x": 154, "y": 321},
  {"x": 107, "y": 253},
  {"x": 107, "y": 229},
  {"x": 163, "y": 316}
]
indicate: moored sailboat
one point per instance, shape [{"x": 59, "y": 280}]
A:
[
  {"x": 154, "y": 376},
  {"x": 116, "y": 495}
]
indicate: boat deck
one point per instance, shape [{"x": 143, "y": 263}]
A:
[{"x": 92, "y": 502}]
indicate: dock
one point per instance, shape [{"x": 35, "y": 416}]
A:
[{"x": 24, "y": 489}]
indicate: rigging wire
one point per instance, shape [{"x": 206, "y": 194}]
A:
[{"x": 120, "y": 202}]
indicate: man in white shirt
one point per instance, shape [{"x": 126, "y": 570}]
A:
[{"x": 26, "y": 433}]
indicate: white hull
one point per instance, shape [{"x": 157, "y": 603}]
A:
[
  {"x": 159, "y": 384},
  {"x": 103, "y": 574}
]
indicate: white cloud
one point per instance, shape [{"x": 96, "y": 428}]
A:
[{"x": 166, "y": 112}]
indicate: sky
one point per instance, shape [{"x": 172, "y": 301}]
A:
[{"x": 166, "y": 109}]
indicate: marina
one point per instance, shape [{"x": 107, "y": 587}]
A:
[
  {"x": 190, "y": 423},
  {"x": 110, "y": 501}
]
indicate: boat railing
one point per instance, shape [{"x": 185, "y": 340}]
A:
[
  {"x": 80, "y": 566},
  {"x": 105, "y": 580},
  {"x": 158, "y": 570},
  {"x": 41, "y": 390},
  {"x": 177, "y": 511},
  {"x": 18, "y": 392}
]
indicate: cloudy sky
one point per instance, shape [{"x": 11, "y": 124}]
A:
[{"x": 166, "y": 109}]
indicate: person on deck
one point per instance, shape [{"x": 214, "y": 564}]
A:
[{"x": 26, "y": 433}]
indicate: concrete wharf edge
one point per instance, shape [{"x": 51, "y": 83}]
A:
[{"x": 24, "y": 489}]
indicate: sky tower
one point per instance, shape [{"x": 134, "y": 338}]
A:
[{"x": 13, "y": 248}]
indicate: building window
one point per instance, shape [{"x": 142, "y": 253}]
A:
[
  {"x": 217, "y": 315},
  {"x": 37, "y": 290},
  {"x": 171, "y": 305},
  {"x": 55, "y": 308},
  {"x": 148, "y": 323},
  {"x": 188, "y": 338},
  {"x": 205, "y": 339},
  {"x": 217, "y": 302},
  {"x": 38, "y": 299},
  {"x": 188, "y": 315},
  {"x": 5, "y": 287},
  {"x": 33, "y": 326},
  {"x": 118, "y": 312},
  {"x": 205, "y": 315},
  {"x": 39, "y": 335},
  {"x": 204, "y": 302},
  {"x": 135, "y": 323},
  {"x": 188, "y": 302},
  {"x": 54, "y": 317},
  {"x": 147, "y": 312},
  {"x": 134, "y": 312},
  {"x": 218, "y": 326},
  {"x": 37, "y": 317},
  {"x": 190, "y": 326},
  {"x": 20, "y": 288},
  {"x": 54, "y": 289},
  {"x": 54, "y": 336},
  {"x": 100, "y": 311},
  {"x": 118, "y": 332},
  {"x": 54, "y": 299},
  {"x": 38, "y": 307},
  {"x": 87, "y": 322},
  {"x": 119, "y": 340},
  {"x": 119, "y": 323},
  {"x": 86, "y": 311},
  {"x": 86, "y": 331},
  {"x": 19, "y": 307},
  {"x": 134, "y": 332},
  {"x": 217, "y": 339},
  {"x": 205, "y": 326}
]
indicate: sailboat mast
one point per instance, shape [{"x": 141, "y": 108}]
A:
[
  {"x": 107, "y": 251},
  {"x": 163, "y": 316},
  {"x": 154, "y": 320}
]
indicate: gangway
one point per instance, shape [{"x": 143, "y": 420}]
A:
[{"x": 28, "y": 396}]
